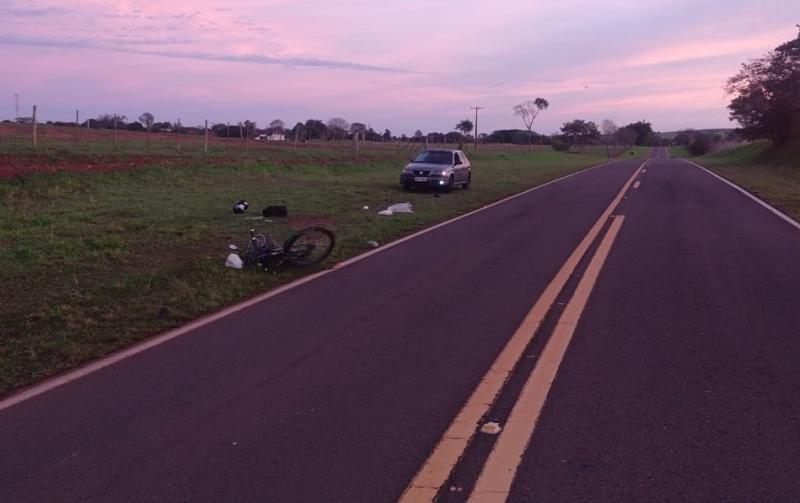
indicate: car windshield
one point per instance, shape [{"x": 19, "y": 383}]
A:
[{"x": 435, "y": 157}]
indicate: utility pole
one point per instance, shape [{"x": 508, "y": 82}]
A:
[
  {"x": 205, "y": 141},
  {"x": 476, "y": 126},
  {"x": 16, "y": 106}
]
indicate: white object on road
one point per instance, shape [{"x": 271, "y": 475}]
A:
[
  {"x": 372, "y": 244},
  {"x": 234, "y": 261},
  {"x": 397, "y": 208},
  {"x": 491, "y": 428},
  {"x": 365, "y": 207}
]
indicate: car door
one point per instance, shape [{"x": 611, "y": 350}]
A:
[
  {"x": 458, "y": 167},
  {"x": 464, "y": 167}
]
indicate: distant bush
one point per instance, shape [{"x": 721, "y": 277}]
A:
[
  {"x": 559, "y": 145},
  {"x": 701, "y": 144}
]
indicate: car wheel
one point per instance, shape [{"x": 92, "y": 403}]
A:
[{"x": 469, "y": 180}]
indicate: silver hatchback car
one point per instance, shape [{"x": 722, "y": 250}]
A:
[{"x": 440, "y": 169}]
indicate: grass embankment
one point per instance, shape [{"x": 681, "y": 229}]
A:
[
  {"x": 92, "y": 262},
  {"x": 771, "y": 173}
]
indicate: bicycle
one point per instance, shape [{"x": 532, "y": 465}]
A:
[{"x": 304, "y": 248}]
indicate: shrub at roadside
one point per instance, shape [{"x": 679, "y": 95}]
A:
[
  {"x": 558, "y": 144},
  {"x": 701, "y": 144}
]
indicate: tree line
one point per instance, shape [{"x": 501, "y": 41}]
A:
[{"x": 766, "y": 95}]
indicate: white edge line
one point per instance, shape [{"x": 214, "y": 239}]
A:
[
  {"x": 73, "y": 375},
  {"x": 783, "y": 216}
]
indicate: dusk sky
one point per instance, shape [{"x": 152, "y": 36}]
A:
[{"x": 415, "y": 64}]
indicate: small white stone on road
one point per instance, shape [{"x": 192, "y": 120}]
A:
[{"x": 491, "y": 428}]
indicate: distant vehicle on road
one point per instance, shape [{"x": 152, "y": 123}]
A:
[{"x": 438, "y": 169}]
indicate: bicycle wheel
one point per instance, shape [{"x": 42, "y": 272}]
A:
[{"x": 309, "y": 246}]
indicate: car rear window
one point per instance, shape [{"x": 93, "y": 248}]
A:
[{"x": 435, "y": 157}]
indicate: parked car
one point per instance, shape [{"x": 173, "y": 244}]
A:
[{"x": 439, "y": 169}]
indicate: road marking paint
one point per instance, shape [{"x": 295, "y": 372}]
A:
[
  {"x": 60, "y": 380},
  {"x": 437, "y": 468},
  {"x": 494, "y": 482},
  {"x": 778, "y": 213},
  {"x": 637, "y": 184},
  {"x": 644, "y": 171}
]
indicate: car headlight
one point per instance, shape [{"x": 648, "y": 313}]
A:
[{"x": 441, "y": 173}]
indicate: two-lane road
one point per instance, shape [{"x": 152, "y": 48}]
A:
[{"x": 680, "y": 381}]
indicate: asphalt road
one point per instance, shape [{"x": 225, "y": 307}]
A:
[{"x": 680, "y": 382}]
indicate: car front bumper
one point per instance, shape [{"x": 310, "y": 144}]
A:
[{"x": 409, "y": 179}]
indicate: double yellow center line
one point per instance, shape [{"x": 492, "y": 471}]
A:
[{"x": 494, "y": 482}]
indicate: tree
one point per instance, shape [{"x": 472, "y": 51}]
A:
[
  {"x": 702, "y": 143},
  {"x": 625, "y": 136},
  {"x": 516, "y": 136},
  {"x": 316, "y": 129},
  {"x": 147, "y": 120},
  {"x": 297, "y": 132},
  {"x": 528, "y": 111},
  {"x": 248, "y": 128},
  {"x": 106, "y": 121},
  {"x": 766, "y": 93},
  {"x": 436, "y": 137},
  {"x": 387, "y": 135},
  {"x": 162, "y": 126},
  {"x": 608, "y": 128},
  {"x": 418, "y": 136},
  {"x": 580, "y": 131},
  {"x": 219, "y": 129},
  {"x": 452, "y": 137},
  {"x": 642, "y": 132},
  {"x": 684, "y": 137},
  {"x": 465, "y": 126},
  {"x": 371, "y": 135},
  {"x": 337, "y": 126},
  {"x": 358, "y": 129},
  {"x": 276, "y": 127}
]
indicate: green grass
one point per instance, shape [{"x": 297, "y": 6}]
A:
[
  {"x": 771, "y": 173},
  {"x": 93, "y": 262}
]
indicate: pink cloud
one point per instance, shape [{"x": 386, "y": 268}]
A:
[{"x": 706, "y": 48}]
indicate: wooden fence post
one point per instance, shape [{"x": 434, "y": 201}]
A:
[{"x": 34, "y": 126}]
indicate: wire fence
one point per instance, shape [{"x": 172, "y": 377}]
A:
[{"x": 28, "y": 136}]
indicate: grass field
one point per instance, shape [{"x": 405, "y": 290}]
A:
[
  {"x": 773, "y": 174},
  {"x": 133, "y": 244}
]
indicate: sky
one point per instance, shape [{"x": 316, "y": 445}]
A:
[{"x": 415, "y": 64}]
